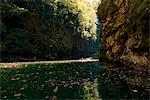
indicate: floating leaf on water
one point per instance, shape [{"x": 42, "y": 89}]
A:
[
  {"x": 91, "y": 73},
  {"x": 50, "y": 73},
  {"x": 17, "y": 95},
  {"x": 18, "y": 74},
  {"x": 63, "y": 81},
  {"x": 24, "y": 81},
  {"x": 25, "y": 86},
  {"x": 134, "y": 91},
  {"x": 4, "y": 91},
  {"x": 56, "y": 89},
  {"x": 65, "y": 85},
  {"x": 5, "y": 97},
  {"x": 46, "y": 97},
  {"x": 42, "y": 85},
  {"x": 22, "y": 88},
  {"x": 77, "y": 72},
  {"x": 15, "y": 78},
  {"x": 46, "y": 81},
  {"x": 70, "y": 86}
]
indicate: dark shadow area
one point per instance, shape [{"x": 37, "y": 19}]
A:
[{"x": 121, "y": 82}]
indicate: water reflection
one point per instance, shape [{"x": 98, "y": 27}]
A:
[
  {"x": 88, "y": 81},
  {"x": 121, "y": 82}
]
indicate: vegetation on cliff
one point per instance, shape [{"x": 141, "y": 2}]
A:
[{"x": 46, "y": 28}]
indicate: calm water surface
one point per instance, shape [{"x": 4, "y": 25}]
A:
[{"x": 85, "y": 81}]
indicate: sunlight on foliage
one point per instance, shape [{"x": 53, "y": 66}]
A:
[{"x": 56, "y": 28}]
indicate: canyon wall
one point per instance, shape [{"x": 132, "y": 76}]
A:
[{"x": 125, "y": 31}]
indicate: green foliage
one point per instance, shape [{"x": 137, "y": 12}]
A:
[
  {"x": 54, "y": 26},
  {"x": 11, "y": 10},
  {"x": 2, "y": 27},
  {"x": 16, "y": 41}
]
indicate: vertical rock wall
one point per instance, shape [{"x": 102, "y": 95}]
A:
[{"x": 125, "y": 31}]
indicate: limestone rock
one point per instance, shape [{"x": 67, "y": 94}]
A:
[{"x": 125, "y": 31}]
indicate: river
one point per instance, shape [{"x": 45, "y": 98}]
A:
[{"x": 83, "y": 79}]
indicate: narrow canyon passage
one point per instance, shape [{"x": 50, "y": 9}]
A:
[{"x": 74, "y": 49}]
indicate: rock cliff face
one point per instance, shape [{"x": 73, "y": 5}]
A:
[{"x": 125, "y": 31}]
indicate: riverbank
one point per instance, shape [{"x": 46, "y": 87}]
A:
[{"x": 17, "y": 64}]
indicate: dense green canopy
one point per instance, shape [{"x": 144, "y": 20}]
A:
[{"x": 53, "y": 28}]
